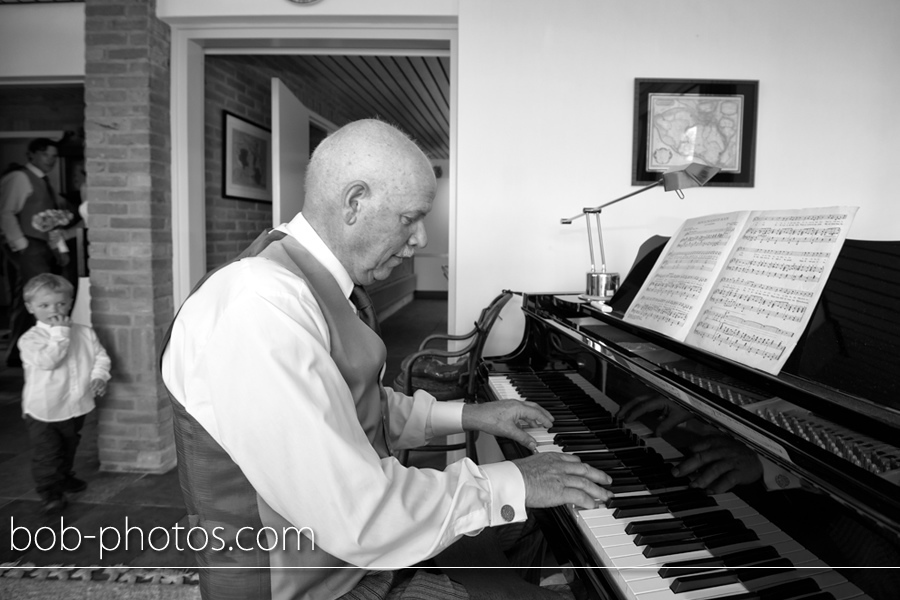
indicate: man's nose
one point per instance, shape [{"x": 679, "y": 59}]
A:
[{"x": 419, "y": 238}]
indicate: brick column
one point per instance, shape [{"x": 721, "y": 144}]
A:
[{"x": 129, "y": 203}]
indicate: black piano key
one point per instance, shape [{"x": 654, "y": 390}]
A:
[
  {"x": 631, "y": 501},
  {"x": 691, "y": 503},
  {"x": 567, "y": 428},
  {"x": 711, "y": 532},
  {"x": 699, "y": 531},
  {"x": 720, "y": 578},
  {"x": 603, "y": 465},
  {"x": 729, "y": 539},
  {"x": 660, "y": 481},
  {"x": 707, "y": 543},
  {"x": 676, "y": 501},
  {"x": 675, "y": 547},
  {"x": 587, "y": 440},
  {"x": 734, "y": 559},
  {"x": 624, "y": 488},
  {"x": 652, "y": 525},
  {"x": 624, "y": 479},
  {"x": 640, "y": 511}
]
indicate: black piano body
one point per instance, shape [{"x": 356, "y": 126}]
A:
[{"x": 843, "y": 379}]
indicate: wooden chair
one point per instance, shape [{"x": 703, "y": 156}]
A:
[{"x": 429, "y": 369}]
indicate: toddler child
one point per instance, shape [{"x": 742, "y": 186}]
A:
[{"x": 65, "y": 367}]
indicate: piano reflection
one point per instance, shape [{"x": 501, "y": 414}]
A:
[{"x": 824, "y": 521}]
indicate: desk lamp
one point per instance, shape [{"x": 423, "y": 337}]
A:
[{"x": 602, "y": 285}]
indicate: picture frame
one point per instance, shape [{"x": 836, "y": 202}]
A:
[
  {"x": 246, "y": 159},
  {"x": 677, "y": 121}
]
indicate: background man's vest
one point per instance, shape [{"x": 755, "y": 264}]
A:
[{"x": 39, "y": 201}]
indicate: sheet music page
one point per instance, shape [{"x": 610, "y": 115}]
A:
[
  {"x": 770, "y": 285},
  {"x": 672, "y": 295}
]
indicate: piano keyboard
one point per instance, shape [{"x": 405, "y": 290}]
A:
[{"x": 659, "y": 538}]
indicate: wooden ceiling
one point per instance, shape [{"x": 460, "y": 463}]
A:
[{"x": 411, "y": 92}]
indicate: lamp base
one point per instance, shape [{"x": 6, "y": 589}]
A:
[{"x": 602, "y": 285}]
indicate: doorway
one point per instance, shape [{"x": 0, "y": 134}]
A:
[{"x": 189, "y": 48}]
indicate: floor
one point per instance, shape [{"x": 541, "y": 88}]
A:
[{"x": 115, "y": 503}]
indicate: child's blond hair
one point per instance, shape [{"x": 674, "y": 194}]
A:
[{"x": 48, "y": 281}]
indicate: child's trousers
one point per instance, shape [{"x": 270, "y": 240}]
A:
[{"x": 54, "y": 445}]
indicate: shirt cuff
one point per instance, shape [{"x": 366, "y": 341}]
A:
[
  {"x": 507, "y": 493},
  {"x": 446, "y": 417}
]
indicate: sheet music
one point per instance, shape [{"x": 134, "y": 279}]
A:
[
  {"x": 671, "y": 298},
  {"x": 743, "y": 285}
]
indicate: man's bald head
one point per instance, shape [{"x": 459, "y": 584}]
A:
[{"x": 368, "y": 186}]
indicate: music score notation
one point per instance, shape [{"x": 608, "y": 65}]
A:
[
  {"x": 697, "y": 260},
  {"x": 747, "y": 280},
  {"x": 742, "y": 336}
]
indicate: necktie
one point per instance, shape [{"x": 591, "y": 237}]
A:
[{"x": 364, "y": 308}]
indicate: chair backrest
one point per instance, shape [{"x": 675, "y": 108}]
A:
[{"x": 484, "y": 325}]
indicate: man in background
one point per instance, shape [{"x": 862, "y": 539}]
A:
[{"x": 31, "y": 231}]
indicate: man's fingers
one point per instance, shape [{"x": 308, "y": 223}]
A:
[
  {"x": 583, "y": 492},
  {"x": 556, "y": 478},
  {"x": 537, "y": 416},
  {"x": 522, "y": 438},
  {"x": 585, "y": 498}
]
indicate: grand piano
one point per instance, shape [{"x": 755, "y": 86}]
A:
[{"x": 825, "y": 522}]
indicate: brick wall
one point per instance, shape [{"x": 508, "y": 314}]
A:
[
  {"x": 128, "y": 178},
  {"x": 242, "y": 86},
  {"x": 41, "y": 108},
  {"x": 128, "y": 163}
]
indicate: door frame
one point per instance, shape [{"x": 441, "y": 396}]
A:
[{"x": 191, "y": 42}]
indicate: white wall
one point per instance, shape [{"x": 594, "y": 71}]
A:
[
  {"x": 429, "y": 276},
  {"x": 545, "y": 104},
  {"x": 544, "y": 108},
  {"x": 41, "y": 42}
]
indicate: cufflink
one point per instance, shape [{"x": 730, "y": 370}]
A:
[{"x": 507, "y": 512}]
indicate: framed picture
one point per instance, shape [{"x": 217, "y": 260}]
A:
[
  {"x": 679, "y": 121},
  {"x": 246, "y": 160}
]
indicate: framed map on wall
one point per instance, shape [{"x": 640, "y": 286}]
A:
[{"x": 679, "y": 121}]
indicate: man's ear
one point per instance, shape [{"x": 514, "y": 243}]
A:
[{"x": 354, "y": 193}]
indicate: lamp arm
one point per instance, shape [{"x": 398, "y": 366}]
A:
[{"x": 597, "y": 209}]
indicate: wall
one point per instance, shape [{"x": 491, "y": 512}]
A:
[
  {"x": 428, "y": 262},
  {"x": 127, "y": 151},
  {"x": 42, "y": 41},
  {"x": 242, "y": 85},
  {"x": 545, "y": 101}
]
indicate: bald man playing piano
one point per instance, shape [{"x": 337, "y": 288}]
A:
[{"x": 285, "y": 434}]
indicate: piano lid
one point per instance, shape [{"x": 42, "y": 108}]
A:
[{"x": 852, "y": 342}]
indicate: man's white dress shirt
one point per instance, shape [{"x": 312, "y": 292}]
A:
[{"x": 249, "y": 359}]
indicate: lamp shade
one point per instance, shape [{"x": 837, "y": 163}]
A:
[{"x": 691, "y": 175}]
